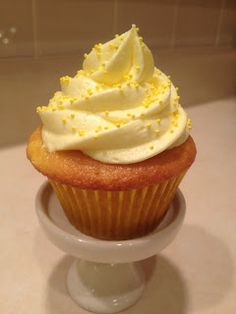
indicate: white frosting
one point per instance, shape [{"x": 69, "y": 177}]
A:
[{"x": 118, "y": 109}]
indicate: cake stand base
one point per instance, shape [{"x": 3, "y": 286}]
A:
[
  {"x": 105, "y": 288},
  {"x": 104, "y": 277}
]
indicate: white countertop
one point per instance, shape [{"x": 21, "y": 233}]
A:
[{"x": 195, "y": 274}]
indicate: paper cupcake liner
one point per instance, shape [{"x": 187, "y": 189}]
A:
[{"x": 116, "y": 215}]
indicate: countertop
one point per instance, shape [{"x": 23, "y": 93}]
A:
[{"x": 195, "y": 274}]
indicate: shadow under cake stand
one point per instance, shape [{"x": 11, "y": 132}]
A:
[{"x": 104, "y": 277}]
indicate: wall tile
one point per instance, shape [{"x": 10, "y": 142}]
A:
[
  {"x": 26, "y": 83},
  {"x": 228, "y": 26},
  {"x": 16, "y": 28},
  {"x": 197, "y": 22},
  {"x": 155, "y": 19},
  {"x": 69, "y": 26},
  {"x": 198, "y": 73}
]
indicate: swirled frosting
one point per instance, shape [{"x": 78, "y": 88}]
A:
[{"x": 118, "y": 109}]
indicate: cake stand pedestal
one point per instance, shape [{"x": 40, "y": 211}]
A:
[{"x": 105, "y": 278}]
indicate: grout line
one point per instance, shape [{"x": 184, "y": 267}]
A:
[
  {"x": 186, "y": 50},
  {"x": 174, "y": 25},
  {"x": 220, "y": 22},
  {"x": 36, "y": 54},
  {"x": 115, "y": 16}
]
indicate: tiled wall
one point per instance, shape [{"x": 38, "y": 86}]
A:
[
  {"x": 54, "y": 27},
  {"x": 40, "y": 40}
]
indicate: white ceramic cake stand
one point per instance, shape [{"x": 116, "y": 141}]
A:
[{"x": 104, "y": 277}]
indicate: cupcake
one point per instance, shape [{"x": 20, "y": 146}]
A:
[{"x": 114, "y": 141}]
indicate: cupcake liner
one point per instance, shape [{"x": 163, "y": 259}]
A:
[{"x": 116, "y": 215}]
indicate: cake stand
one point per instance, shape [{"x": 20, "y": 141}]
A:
[{"x": 105, "y": 278}]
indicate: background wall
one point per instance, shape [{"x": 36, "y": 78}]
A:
[{"x": 40, "y": 40}]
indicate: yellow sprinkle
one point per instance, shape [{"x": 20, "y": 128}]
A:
[
  {"x": 140, "y": 38},
  {"x": 107, "y": 113},
  {"x": 61, "y": 107},
  {"x": 73, "y": 129},
  {"x": 158, "y": 120},
  {"x": 95, "y": 137},
  {"x": 64, "y": 120},
  {"x": 189, "y": 123},
  {"x": 89, "y": 91},
  {"x": 176, "y": 88},
  {"x": 148, "y": 125},
  {"x": 117, "y": 35},
  {"x": 133, "y": 116},
  {"x": 98, "y": 129},
  {"x": 128, "y": 114},
  {"x": 138, "y": 67},
  {"x": 65, "y": 79},
  {"x": 151, "y": 147},
  {"x": 72, "y": 116},
  {"x": 79, "y": 72},
  {"x": 171, "y": 131},
  {"x": 176, "y": 98},
  {"x": 142, "y": 115},
  {"x": 118, "y": 125},
  {"x": 106, "y": 128},
  {"x": 38, "y": 109},
  {"x": 128, "y": 76},
  {"x": 98, "y": 47},
  {"x": 54, "y": 109},
  {"x": 136, "y": 84},
  {"x": 81, "y": 133},
  {"x": 175, "y": 113},
  {"x": 157, "y": 131},
  {"x": 85, "y": 55}
]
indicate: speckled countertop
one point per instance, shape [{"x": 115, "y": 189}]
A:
[{"x": 195, "y": 274}]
